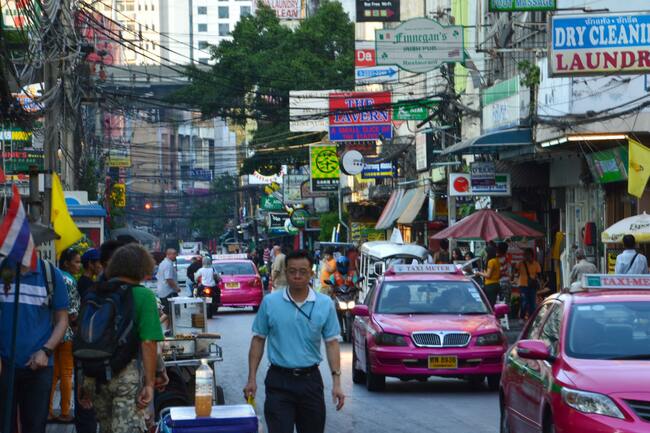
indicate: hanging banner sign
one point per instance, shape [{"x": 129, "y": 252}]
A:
[
  {"x": 324, "y": 168},
  {"x": 482, "y": 174},
  {"x": 419, "y": 45},
  {"x": 376, "y": 75},
  {"x": 276, "y": 220},
  {"x": 599, "y": 44},
  {"x": 364, "y": 54},
  {"x": 18, "y": 162},
  {"x": 378, "y": 170},
  {"x": 418, "y": 110},
  {"x": 285, "y": 9},
  {"x": 521, "y": 5},
  {"x": 352, "y": 117},
  {"x": 378, "y": 11}
]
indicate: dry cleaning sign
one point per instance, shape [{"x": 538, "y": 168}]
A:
[{"x": 600, "y": 44}]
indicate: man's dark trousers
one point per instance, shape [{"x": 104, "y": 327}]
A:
[
  {"x": 294, "y": 400},
  {"x": 31, "y": 393}
]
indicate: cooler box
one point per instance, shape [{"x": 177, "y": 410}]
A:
[{"x": 223, "y": 419}]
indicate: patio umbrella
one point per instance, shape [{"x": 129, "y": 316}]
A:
[
  {"x": 487, "y": 225},
  {"x": 637, "y": 226}
]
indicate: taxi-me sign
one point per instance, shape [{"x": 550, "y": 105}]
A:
[
  {"x": 621, "y": 282},
  {"x": 425, "y": 268},
  {"x": 599, "y": 44},
  {"x": 360, "y": 116}
]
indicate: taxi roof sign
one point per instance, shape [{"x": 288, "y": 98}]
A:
[
  {"x": 241, "y": 256},
  {"x": 614, "y": 281},
  {"x": 424, "y": 268}
]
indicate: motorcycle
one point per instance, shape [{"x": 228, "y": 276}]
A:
[
  {"x": 345, "y": 299},
  {"x": 212, "y": 296}
]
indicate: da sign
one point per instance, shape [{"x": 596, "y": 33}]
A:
[
  {"x": 599, "y": 44},
  {"x": 419, "y": 45}
]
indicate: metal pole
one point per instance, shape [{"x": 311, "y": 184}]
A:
[
  {"x": 191, "y": 32},
  {"x": 347, "y": 229},
  {"x": 11, "y": 368}
]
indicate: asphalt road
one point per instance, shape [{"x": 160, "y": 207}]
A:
[{"x": 439, "y": 405}]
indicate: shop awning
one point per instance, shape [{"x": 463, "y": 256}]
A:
[
  {"x": 413, "y": 208},
  {"x": 382, "y": 222},
  {"x": 491, "y": 142},
  {"x": 402, "y": 200}
]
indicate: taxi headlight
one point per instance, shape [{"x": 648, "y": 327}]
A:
[
  {"x": 386, "y": 339},
  {"x": 590, "y": 402},
  {"x": 343, "y": 305},
  {"x": 493, "y": 339},
  {"x": 351, "y": 305}
]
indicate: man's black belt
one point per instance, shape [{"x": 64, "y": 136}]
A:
[{"x": 295, "y": 371}]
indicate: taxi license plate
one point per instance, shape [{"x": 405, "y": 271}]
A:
[
  {"x": 208, "y": 300},
  {"x": 442, "y": 362},
  {"x": 232, "y": 285}
]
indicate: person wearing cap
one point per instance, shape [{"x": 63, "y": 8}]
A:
[
  {"x": 92, "y": 267},
  {"x": 630, "y": 261},
  {"x": 582, "y": 266}
]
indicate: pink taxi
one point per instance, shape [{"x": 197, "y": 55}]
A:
[
  {"x": 427, "y": 320},
  {"x": 583, "y": 362},
  {"x": 240, "y": 285}
]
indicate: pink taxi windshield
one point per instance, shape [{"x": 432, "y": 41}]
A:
[
  {"x": 609, "y": 330},
  {"x": 430, "y": 297}
]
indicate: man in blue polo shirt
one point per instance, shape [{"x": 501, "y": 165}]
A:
[
  {"x": 42, "y": 321},
  {"x": 294, "y": 321}
]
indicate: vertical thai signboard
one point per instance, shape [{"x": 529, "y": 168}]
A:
[{"x": 360, "y": 116}]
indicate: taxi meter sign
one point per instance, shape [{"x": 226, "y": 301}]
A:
[
  {"x": 621, "y": 282},
  {"x": 230, "y": 256},
  {"x": 425, "y": 268}
]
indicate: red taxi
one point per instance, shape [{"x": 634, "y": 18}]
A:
[
  {"x": 240, "y": 285},
  {"x": 426, "y": 320},
  {"x": 583, "y": 362}
]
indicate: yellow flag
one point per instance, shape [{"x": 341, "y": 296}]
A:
[
  {"x": 61, "y": 219},
  {"x": 639, "y": 168}
]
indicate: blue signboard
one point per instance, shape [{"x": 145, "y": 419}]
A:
[
  {"x": 201, "y": 174},
  {"x": 376, "y": 74},
  {"x": 360, "y": 132},
  {"x": 378, "y": 170}
]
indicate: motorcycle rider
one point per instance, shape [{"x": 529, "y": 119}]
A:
[
  {"x": 344, "y": 275},
  {"x": 191, "y": 270}
]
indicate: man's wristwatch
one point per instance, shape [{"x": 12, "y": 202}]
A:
[
  {"x": 47, "y": 351},
  {"x": 336, "y": 372}
]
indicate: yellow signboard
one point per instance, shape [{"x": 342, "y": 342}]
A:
[{"x": 324, "y": 165}]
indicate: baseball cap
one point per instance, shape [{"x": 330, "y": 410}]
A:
[{"x": 91, "y": 255}]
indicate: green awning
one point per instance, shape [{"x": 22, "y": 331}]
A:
[{"x": 525, "y": 221}]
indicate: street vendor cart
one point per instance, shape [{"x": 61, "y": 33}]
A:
[{"x": 183, "y": 351}]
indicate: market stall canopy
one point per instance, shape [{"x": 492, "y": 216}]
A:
[
  {"x": 525, "y": 221},
  {"x": 492, "y": 142},
  {"x": 637, "y": 226},
  {"x": 413, "y": 208},
  {"x": 487, "y": 225}
]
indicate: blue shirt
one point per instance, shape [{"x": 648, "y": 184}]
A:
[
  {"x": 34, "y": 315},
  {"x": 293, "y": 332}
]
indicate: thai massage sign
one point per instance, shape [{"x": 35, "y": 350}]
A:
[
  {"x": 600, "y": 44},
  {"x": 419, "y": 45}
]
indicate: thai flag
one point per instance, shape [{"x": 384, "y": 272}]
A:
[{"x": 16, "y": 240}]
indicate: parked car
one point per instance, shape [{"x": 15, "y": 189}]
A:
[{"x": 240, "y": 282}]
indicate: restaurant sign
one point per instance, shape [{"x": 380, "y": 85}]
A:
[{"x": 599, "y": 44}]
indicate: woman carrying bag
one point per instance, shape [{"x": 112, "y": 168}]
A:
[{"x": 529, "y": 270}]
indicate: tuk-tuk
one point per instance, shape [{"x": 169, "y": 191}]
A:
[{"x": 376, "y": 256}]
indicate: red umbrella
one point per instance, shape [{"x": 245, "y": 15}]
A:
[{"x": 487, "y": 225}]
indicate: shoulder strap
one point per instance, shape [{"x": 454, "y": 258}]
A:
[
  {"x": 631, "y": 263},
  {"x": 46, "y": 268}
]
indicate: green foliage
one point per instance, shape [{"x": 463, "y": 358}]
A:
[
  {"x": 89, "y": 179},
  {"x": 327, "y": 222},
  {"x": 531, "y": 74},
  {"x": 255, "y": 71},
  {"x": 209, "y": 215}
]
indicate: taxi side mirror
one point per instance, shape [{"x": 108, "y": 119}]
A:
[
  {"x": 534, "y": 349},
  {"x": 501, "y": 310},
  {"x": 379, "y": 268},
  {"x": 361, "y": 310}
]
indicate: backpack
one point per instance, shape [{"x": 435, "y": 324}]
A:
[{"x": 106, "y": 340}]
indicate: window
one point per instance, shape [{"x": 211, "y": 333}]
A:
[
  {"x": 224, "y": 29},
  {"x": 204, "y": 60},
  {"x": 244, "y": 11},
  {"x": 203, "y": 27},
  {"x": 153, "y": 27},
  {"x": 203, "y": 45},
  {"x": 153, "y": 8},
  {"x": 551, "y": 330},
  {"x": 533, "y": 328},
  {"x": 139, "y": 7},
  {"x": 146, "y": 7},
  {"x": 202, "y": 10},
  {"x": 223, "y": 12}
]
